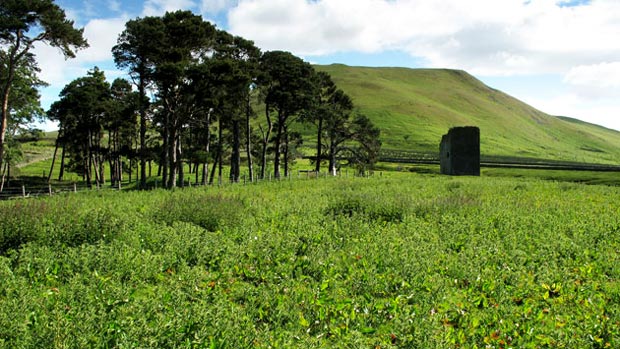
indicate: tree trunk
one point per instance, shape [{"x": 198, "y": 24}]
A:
[
  {"x": 248, "y": 137},
  {"x": 62, "y": 163},
  {"x": 87, "y": 174},
  {"x": 49, "y": 176},
  {"x": 205, "y": 166},
  {"x": 142, "y": 108},
  {"x": 235, "y": 159},
  {"x": 94, "y": 161},
  {"x": 2, "y": 176},
  {"x": 164, "y": 154},
  {"x": 172, "y": 154},
  {"x": 286, "y": 143},
  {"x": 100, "y": 160},
  {"x": 319, "y": 146},
  {"x": 196, "y": 170},
  {"x": 112, "y": 164},
  {"x": 332, "y": 160},
  {"x": 89, "y": 160},
  {"x": 179, "y": 155},
  {"x": 112, "y": 156},
  {"x": 213, "y": 168},
  {"x": 4, "y": 115},
  {"x": 220, "y": 149},
  {"x": 276, "y": 162},
  {"x": 118, "y": 160},
  {"x": 14, "y": 56},
  {"x": 205, "y": 174},
  {"x": 265, "y": 140}
]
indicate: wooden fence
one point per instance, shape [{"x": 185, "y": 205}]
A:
[
  {"x": 493, "y": 161},
  {"x": 29, "y": 191}
]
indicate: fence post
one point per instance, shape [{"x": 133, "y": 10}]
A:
[
  {"x": 49, "y": 188},
  {"x": 118, "y": 184},
  {"x": 23, "y": 191},
  {"x": 74, "y": 187}
]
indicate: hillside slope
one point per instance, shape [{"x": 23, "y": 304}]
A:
[{"x": 414, "y": 107}]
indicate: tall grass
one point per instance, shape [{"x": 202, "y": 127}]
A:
[{"x": 406, "y": 260}]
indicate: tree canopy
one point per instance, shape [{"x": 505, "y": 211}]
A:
[
  {"x": 23, "y": 23},
  {"x": 198, "y": 91}
]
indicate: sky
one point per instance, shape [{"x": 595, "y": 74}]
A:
[{"x": 560, "y": 56}]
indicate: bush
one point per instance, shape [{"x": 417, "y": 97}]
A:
[
  {"x": 371, "y": 208},
  {"x": 211, "y": 212},
  {"x": 21, "y": 223},
  {"x": 57, "y": 223}
]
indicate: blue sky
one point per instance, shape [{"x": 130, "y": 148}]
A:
[{"x": 560, "y": 56}]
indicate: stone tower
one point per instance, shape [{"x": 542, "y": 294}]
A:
[{"x": 460, "y": 152}]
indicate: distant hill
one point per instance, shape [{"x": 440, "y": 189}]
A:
[{"x": 414, "y": 107}]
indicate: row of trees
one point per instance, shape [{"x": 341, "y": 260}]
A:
[{"x": 203, "y": 97}]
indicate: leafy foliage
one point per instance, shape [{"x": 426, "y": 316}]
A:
[
  {"x": 407, "y": 261},
  {"x": 211, "y": 212},
  {"x": 22, "y": 25}
]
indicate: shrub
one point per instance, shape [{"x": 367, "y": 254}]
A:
[
  {"x": 21, "y": 223},
  {"x": 372, "y": 208},
  {"x": 208, "y": 211},
  {"x": 57, "y": 223}
]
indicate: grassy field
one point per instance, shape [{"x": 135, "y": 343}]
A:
[
  {"x": 400, "y": 260},
  {"x": 583, "y": 177},
  {"x": 415, "y": 107}
]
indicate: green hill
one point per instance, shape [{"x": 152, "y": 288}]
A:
[{"x": 414, "y": 107}]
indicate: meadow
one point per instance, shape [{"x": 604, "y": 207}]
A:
[
  {"x": 403, "y": 260},
  {"x": 415, "y": 107}
]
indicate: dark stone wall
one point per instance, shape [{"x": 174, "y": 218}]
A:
[{"x": 459, "y": 152}]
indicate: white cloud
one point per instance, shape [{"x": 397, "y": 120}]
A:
[
  {"x": 55, "y": 70},
  {"x": 58, "y": 71},
  {"x": 159, "y": 7},
  {"x": 603, "y": 111},
  {"x": 482, "y": 36},
  {"x": 602, "y": 76},
  {"x": 114, "y": 5},
  {"x": 101, "y": 35},
  {"x": 574, "y": 40},
  {"x": 216, "y": 6}
]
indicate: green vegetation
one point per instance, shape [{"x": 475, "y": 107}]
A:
[
  {"x": 405, "y": 260},
  {"x": 415, "y": 107},
  {"x": 25, "y": 24}
]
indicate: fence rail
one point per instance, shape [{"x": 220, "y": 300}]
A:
[
  {"x": 495, "y": 161},
  {"x": 25, "y": 191},
  {"x": 30, "y": 191}
]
